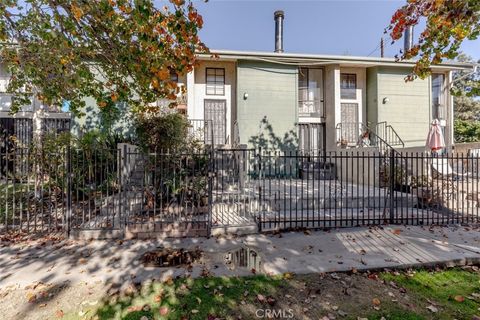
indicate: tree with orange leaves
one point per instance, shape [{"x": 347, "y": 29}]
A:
[
  {"x": 448, "y": 24},
  {"x": 111, "y": 50}
]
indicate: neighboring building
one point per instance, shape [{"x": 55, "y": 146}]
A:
[{"x": 35, "y": 117}]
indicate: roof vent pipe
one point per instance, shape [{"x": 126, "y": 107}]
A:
[
  {"x": 278, "y": 17},
  {"x": 408, "y": 39}
]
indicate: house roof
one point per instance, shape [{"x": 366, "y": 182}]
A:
[{"x": 318, "y": 59}]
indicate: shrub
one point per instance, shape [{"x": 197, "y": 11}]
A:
[
  {"x": 162, "y": 131},
  {"x": 466, "y": 131}
]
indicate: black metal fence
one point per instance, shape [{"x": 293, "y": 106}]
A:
[{"x": 181, "y": 194}]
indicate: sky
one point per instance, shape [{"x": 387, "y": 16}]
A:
[{"x": 317, "y": 26}]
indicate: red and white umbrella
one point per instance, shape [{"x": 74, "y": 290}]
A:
[{"x": 435, "y": 139}]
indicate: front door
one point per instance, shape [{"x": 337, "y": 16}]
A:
[
  {"x": 216, "y": 117},
  {"x": 350, "y": 124},
  {"x": 311, "y": 137}
]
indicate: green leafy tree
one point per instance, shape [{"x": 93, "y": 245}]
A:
[
  {"x": 111, "y": 50},
  {"x": 466, "y": 131},
  {"x": 467, "y": 105},
  {"x": 448, "y": 24}
]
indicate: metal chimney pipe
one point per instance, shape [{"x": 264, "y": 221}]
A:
[
  {"x": 279, "y": 16},
  {"x": 408, "y": 39}
]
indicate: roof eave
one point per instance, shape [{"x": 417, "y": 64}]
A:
[{"x": 294, "y": 58}]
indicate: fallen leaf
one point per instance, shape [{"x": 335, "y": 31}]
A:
[
  {"x": 271, "y": 301},
  {"x": 334, "y": 276},
  {"x": 169, "y": 281},
  {"x": 59, "y": 313},
  {"x": 260, "y": 298},
  {"x": 376, "y": 301},
  {"x": 194, "y": 311},
  {"x": 134, "y": 308},
  {"x": 163, "y": 311},
  {"x": 459, "y": 298},
  {"x": 43, "y": 305},
  {"x": 397, "y": 231},
  {"x": 432, "y": 308},
  {"x": 288, "y": 275},
  {"x": 31, "y": 297}
]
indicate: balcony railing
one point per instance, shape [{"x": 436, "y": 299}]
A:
[{"x": 310, "y": 103}]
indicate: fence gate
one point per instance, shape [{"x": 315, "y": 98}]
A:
[{"x": 235, "y": 194}]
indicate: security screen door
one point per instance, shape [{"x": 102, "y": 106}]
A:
[
  {"x": 350, "y": 125},
  {"x": 216, "y": 112}
]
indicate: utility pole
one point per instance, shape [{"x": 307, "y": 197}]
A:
[{"x": 382, "y": 47}]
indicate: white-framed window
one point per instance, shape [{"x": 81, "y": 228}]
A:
[
  {"x": 215, "y": 81},
  {"x": 438, "y": 96},
  {"x": 310, "y": 92},
  {"x": 348, "y": 86}
]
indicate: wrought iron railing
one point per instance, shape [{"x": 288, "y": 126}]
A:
[
  {"x": 388, "y": 134},
  {"x": 201, "y": 130},
  {"x": 357, "y": 134},
  {"x": 102, "y": 189},
  {"x": 310, "y": 103}
]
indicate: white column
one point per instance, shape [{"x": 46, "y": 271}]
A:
[
  {"x": 450, "y": 113},
  {"x": 191, "y": 94}
]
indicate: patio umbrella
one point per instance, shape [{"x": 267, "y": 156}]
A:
[{"x": 435, "y": 139}]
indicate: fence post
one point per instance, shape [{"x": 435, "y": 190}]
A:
[
  {"x": 210, "y": 176},
  {"x": 69, "y": 190},
  {"x": 392, "y": 185},
  {"x": 259, "y": 177},
  {"x": 124, "y": 180}
]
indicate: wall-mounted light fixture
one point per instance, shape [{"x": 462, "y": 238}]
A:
[
  {"x": 385, "y": 100},
  {"x": 245, "y": 96}
]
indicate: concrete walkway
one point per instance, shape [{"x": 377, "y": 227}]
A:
[{"x": 320, "y": 251}]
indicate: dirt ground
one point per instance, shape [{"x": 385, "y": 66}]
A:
[{"x": 47, "y": 301}]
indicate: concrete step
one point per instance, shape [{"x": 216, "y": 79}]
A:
[{"x": 242, "y": 230}]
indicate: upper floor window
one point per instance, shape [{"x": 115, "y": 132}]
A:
[
  {"x": 310, "y": 92},
  {"x": 438, "y": 97},
  {"x": 173, "y": 76},
  {"x": 348, "y": 86},
  {"x": 215, "y": 82}
]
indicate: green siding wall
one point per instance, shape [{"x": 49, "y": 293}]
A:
[
  {"x": 91, "y": 120},
  {"x": 408, "y": 109},
  {"x": 272, "y": 95},
  {"x": 372, "y": 95}
]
